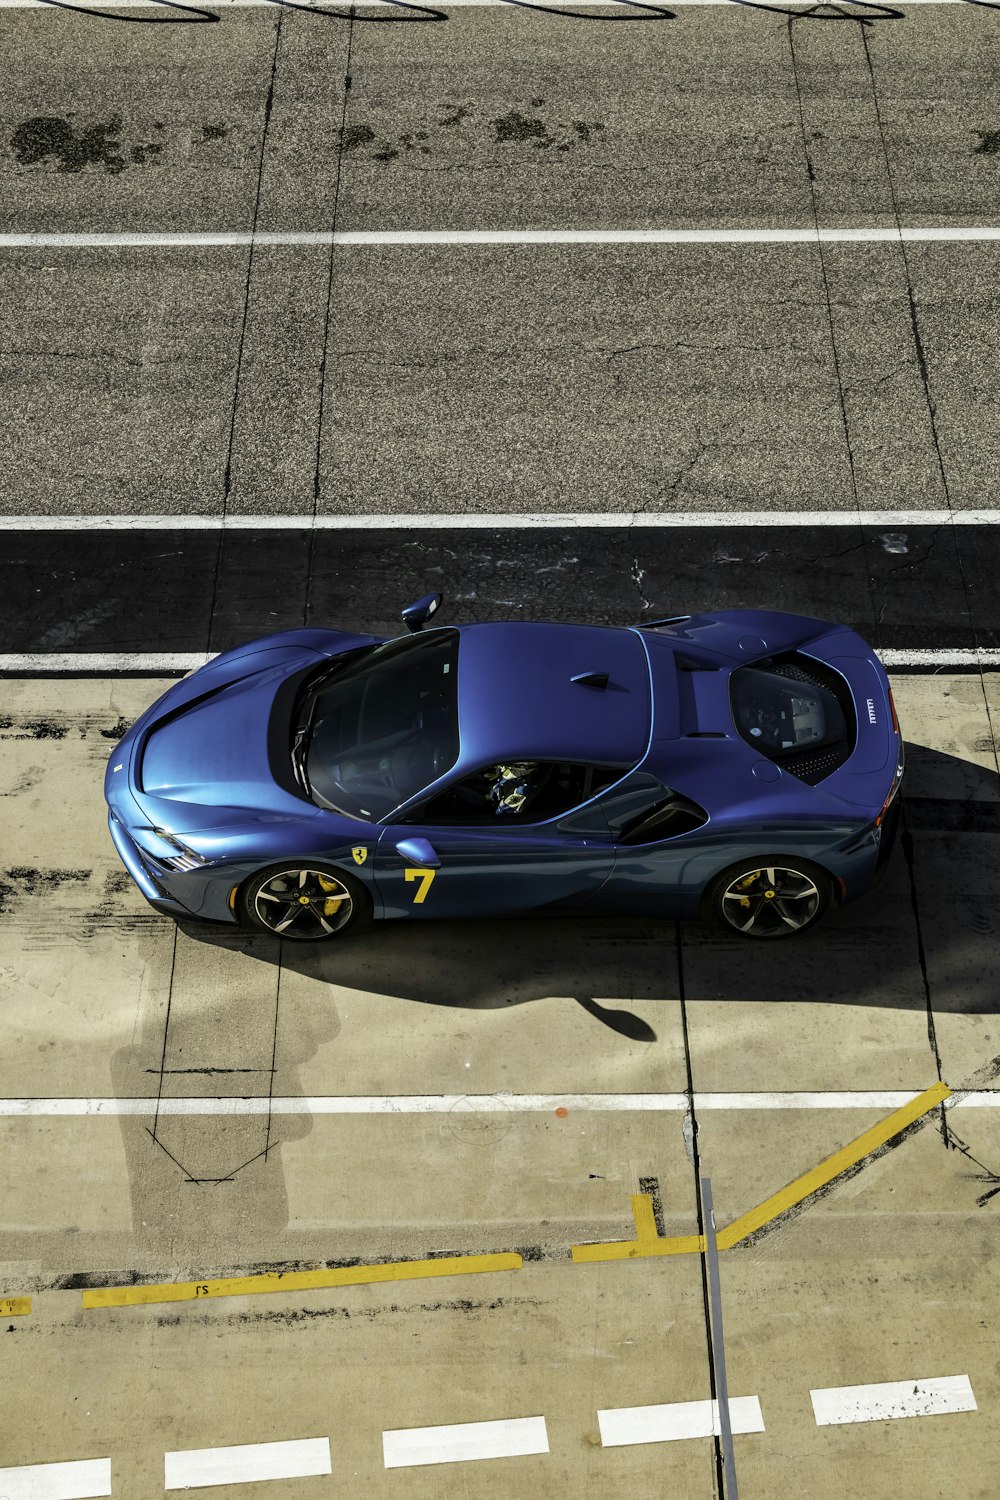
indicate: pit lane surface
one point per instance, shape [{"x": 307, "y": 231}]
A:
[
  {"x": 387, "y": 380},
  {"x": 884, "y": 1277},
  {"x": 909, "y": 588}
]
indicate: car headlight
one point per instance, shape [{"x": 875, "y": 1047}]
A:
[{"x": 167, "y": 851}]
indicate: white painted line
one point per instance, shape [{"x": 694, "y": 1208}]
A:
[
  {"x": 625, "y": 1425},
  {"x": 509, "y": 521},
  {"x": 435, "y": 1104},
  {"x": 115, "y": 661},
  {"x": 408, "y": 1446},
  {"x": 894, "y": 1398},
  {"x": 430, "y": 238},
  {"x": 981, "y": 657},
  {"x": 196, "y": 1468},
  {"x": 118, "y": 663},
  {"x": 71, "y": 1481}
]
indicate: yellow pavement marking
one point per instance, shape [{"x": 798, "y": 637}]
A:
[
  {"x": 14, "y": 1307},
  {"x": 647, "y": 1242},
  {"x": 832, "y": 1167},
  {"x": 297, "y": 1281}
]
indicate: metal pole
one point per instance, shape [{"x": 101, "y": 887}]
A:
[{"x": 718, "y": 1342}]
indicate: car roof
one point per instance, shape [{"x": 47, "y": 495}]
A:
[{"x": 516, "y": 699}]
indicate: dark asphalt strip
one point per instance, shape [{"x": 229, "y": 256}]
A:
[{"x": 180, "y": 591}]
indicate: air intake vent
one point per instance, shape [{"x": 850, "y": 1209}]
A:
[{"x": 815, "y": 765}]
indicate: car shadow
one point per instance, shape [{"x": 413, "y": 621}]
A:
[{"x": 924, "y": 935}]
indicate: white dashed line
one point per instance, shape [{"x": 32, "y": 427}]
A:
[
  {"x": 625, "y": 1425},
  {"x": 197, "y": 1468},
  {"x": 894, "y": 1398},
  {"x": 70, "y": 1481},
  {"x": 434, "y": 1104},
  {"x": 804, "y": 234},
  {"x": 508, "y": 521},
  {"x": 513, "y": 1438}
]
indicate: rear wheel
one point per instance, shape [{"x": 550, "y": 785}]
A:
[
  {"x": 776, "y": 899},
  {"x": 306, "y": 903}
]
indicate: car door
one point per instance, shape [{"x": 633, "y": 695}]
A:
[{"x": 454, "y": 857}]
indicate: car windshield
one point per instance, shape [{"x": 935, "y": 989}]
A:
[{"x": 382, "y": 729}]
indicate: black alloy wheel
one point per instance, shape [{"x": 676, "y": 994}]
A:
[
  {"x": 306, "y": 903},
  {"x": 777, "y": 898}
]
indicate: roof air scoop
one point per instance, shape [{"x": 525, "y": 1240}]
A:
[{"x": 591, "y": 679}]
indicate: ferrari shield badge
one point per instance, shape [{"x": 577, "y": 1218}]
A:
[{"x": 360, "y": 853}]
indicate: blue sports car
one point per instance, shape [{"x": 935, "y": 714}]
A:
[{"x": 742, "y": 766}]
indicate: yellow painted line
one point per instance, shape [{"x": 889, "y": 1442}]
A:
[
  {"x": 14, "y": 1307},
  {"x": 647, "y": 1242},
  {"x": 840, "y": 1161},
  {"x": 298, "y": 1281}
]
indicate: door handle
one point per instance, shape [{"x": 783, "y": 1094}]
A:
[{"x": 419, "y": 852}]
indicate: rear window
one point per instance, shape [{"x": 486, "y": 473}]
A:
[{"x": 797, "y": 713}]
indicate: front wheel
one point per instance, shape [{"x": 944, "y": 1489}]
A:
[
  {"x": 773, "y": 900},
  {"x": 306, "y": 903}
]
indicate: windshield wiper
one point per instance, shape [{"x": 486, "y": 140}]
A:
[{"x": 300, "y": 747}]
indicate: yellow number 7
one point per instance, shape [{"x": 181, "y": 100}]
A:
[{"x": 426, "y": 878}]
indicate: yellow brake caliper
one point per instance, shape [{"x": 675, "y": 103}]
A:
[{"x": 332, "y": 903}]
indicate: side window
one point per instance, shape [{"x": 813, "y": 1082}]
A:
[{"x": 524, "y": 791}]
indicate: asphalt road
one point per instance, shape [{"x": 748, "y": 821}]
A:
[
  {"x": 485, "y": 378},
  {"x": 135, "y": 591}
]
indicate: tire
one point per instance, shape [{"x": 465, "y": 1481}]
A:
[
  {"x": 312, "y": 902},
  {"x": 781, "y": 895}
]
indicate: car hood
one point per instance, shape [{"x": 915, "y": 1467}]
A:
[{"x": 228, "y": 749}]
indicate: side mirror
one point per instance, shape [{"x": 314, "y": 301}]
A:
[
  {"x": 416, "y": 615},
  {"x": 419, "y": 852}
]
